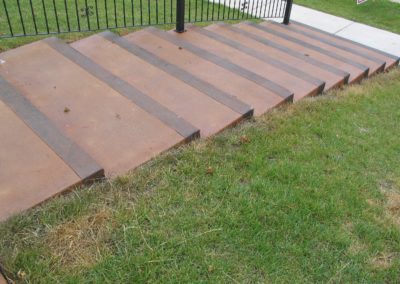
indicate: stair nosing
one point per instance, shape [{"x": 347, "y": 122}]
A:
[
  {"x": 313, "y": 47},
  {"x": 333, "y": 44},
  {"x": 392, "y": 56},
  {"x": 182, "y": 75},
  {"x": 68, "y": 151},
  {"x": 291, "y": 52},
  {"x": 262, "y": 57},
  {"x": 169, "y": 118},
  {"x": 226, "y": 64}
]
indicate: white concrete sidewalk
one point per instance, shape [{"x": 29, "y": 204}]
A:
[{"x": 364, "y": 34}]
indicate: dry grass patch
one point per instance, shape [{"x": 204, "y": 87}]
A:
[
  {"x": 393, "y": 207},
  {"x": 81, "y": 242},
  {"x": 383, "y": 260},
  {"x": 356, "y": 246},
  {"x": 391, "y": 191}
]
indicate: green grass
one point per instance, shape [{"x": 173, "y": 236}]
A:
[
  {"x": 307, "y": 193},
  {"x": 379, "y": 13},
  {"x": 79, "y": 18}
]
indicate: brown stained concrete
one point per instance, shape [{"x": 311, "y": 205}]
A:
[
  {"x": 390, "y": 61},
  {"x": 374, "y": 66},
  {"x": 195, "y": 107},
  {"x": 356, "y": 74},
  {"x": 114, "y": 131},
  {"x": 299, "y": 87},
  {"x": 247, "y": 91},
  {"x": 30, "y": 172},
  {"x": 332, "y": 80}
]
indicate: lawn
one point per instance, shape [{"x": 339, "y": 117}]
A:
[
  {"x": 306, "y": 193},
  {"x": 379, "y": 13},
  {"x": 59, "y": 16}
]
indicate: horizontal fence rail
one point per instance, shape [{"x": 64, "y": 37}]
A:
[{"x": 43, "y": 17}]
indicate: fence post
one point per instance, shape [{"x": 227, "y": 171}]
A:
[
  {"x": 288, "y": 10},
  {"x": 180, "y": 16}
]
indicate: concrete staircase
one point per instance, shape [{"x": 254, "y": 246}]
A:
[{"x": 106, "y": 104}]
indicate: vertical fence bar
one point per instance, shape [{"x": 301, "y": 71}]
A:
[
  {"x": 171, "y": 9},
  {"x": 212, "y": 10},
  {"x": 219, "y": 8},
  {"x": 189, "y": 8},
  {"x": 45, "y": 17},
  {"x": 265, "y": 8},
  {"x": 165, "y": 12},
  {"x": 66, "y": 15},
  {"x": 288, "y": 10},
  {"x": 106, "y": 11},
  {"x": 149, "y": 11},
  {"x": 77, "y": 15},
  {"x": 97, "y": 15},
  {"x": 157, "y": 12},
  {"x": 223, "y": 11},
  {"x": 229, "y": 9},
  {"x": 195, "y": 11},
  {"x": 8, "y": 18},
  {"x": 180, "y": 11},
  {"x": 202, "y": 10},
  {"x": 56, "y": 16},
  {"x": 180, "y": 16},
  {"x": 115, "y": 14},
  {"x": 141, "y": 12},
  {"x": 33, "y": 17},
  {"x": 21, "y": 18},
  {"x": 123, "y": 8},
  {"x": 133, "y": 13}
]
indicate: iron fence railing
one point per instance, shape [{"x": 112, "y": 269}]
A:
[{"x": 42, "y": 17}]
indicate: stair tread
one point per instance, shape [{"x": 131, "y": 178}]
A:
[
  {"x": 299, "y": 86},
  {"x": 224, "y": 80},
  {"x": 356, "y": 73},
  {"x": 390, "y": 59},
  {"x": 331, "y": 79},
  {"x": 29, "y": 173},
  {"x": 77, "y": 159},
  {"x": 112, "y": 129},
  {"x": 209, "y": 115},
  {"x": 375, "y": 65}
]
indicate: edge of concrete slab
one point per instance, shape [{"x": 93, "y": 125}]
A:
[
  {"x": 181, "y": 126},
  {"x": 75, "y": 157}
]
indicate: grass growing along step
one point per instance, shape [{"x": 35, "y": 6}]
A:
[
  {"x": 382, "y": 14},
  {"x": 307, "y": 193}
]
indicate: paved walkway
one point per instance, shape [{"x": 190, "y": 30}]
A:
[{"x": 364, "y": 34}]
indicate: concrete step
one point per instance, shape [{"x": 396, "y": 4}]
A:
[
  {"x": 295, "y": 80},
  {"x": 375, "y": 64},
  {"x": 340, "y": 42},
  {"x": 357, "y": 71},
  {"x": 287, "y": 60},
  {"x": 114, "y": 123},
  {"x": 231, "y": 85},
  {"x": 37, "y": 161},
  {"x": 140, "y": 69},
  {"x": 106, "y": 104}
]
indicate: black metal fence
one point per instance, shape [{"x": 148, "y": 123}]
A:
[{"x": 41, "y": 17}]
